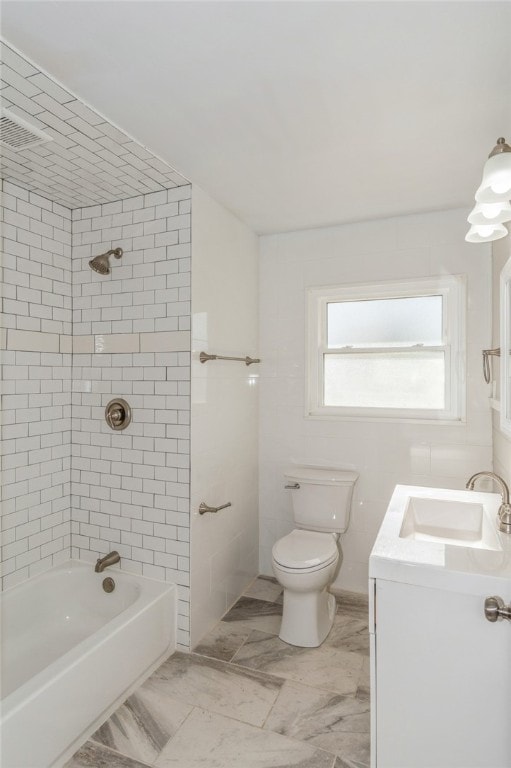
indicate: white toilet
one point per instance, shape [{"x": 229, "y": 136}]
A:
[{"x": 307, "y": 560}]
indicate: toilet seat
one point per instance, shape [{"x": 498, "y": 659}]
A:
[{"x": 305, "y": 551}]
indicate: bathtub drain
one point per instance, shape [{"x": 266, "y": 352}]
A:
[{"x": 108, "y": 584}]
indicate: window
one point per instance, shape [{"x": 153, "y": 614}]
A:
[{"x": 391, "y": 350}]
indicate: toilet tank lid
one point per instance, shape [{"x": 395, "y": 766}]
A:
[{"x": 321, "y": 476}]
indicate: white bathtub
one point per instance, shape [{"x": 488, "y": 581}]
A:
[{"x": 71, "y": 652}]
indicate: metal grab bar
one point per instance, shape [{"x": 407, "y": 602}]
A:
[
  {"x": 204, "y": 357},
  {"x": 203, "y": 507},
  {"x": 487, "y": 372}
]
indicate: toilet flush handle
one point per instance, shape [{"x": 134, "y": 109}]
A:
[{"x": 292, "y": 486}]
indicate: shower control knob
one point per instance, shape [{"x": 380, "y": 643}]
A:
[
  {"x": 118, "y": 414},
  {"x": 495, "y": 609}
]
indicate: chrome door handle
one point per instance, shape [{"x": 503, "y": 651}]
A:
[
  {"x": 495, "y": 609},
  {"x": 292, "y": 486},
  {"x": 203, "y": 507}
]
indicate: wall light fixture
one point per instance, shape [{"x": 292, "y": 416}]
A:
[{"x": 493, "y": 197}]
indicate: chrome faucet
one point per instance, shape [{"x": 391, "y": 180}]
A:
[
  {"x": 504, "y": 513},
  {"x": 103, "y": 562}
]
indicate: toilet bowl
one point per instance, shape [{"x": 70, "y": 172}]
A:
[{"x": 306, "y": 561}]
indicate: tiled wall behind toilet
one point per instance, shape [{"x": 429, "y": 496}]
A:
[
  {"x": 130, "y": 489},
  {"x": 383, "y": 453},
  {"x": 36, "y": 389}
]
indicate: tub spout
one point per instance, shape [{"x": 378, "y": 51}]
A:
[{"x": 103, "y": 562}]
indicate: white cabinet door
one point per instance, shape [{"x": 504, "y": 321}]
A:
[{"x": 443, "y": 680}]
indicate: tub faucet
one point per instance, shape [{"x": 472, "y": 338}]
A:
[
  {"x": 103, "y": 562},
  {"x": 504, "y": 513}
]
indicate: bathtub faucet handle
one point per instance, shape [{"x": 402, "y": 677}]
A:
[{"x": 103, "y": 562}]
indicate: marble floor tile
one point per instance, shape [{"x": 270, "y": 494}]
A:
[
  {"x": 264, "y": 615},
  {"x": 323, "y": 667},
  {"x": 207, "y": 709},
  {"x": 318, "y": 717},
  {"x": 349, "y": 634},
  {"x": 353, "y": 603},
  {"x": 355, "y": 751},
  {"x": 364, "y": 680},
  {"x": 209, "y": 740},
  {"x": 141, "y": 726},
  {"x": 223, "y": 688},
  {"x": 363, "y": 691},
  {"x": 96, "y": 756},
  {"x": 222, "y": 641},
  {"x": 264, "y": 589}
]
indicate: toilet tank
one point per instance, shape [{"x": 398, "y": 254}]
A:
[{"x": 323, "y": 500}]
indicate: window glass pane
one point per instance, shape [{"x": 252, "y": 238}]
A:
[
  {"x": 385, "y": 380},
  {"x": 385, "y": 322}
]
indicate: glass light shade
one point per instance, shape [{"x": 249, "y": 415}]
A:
[
  {"x": 490, "y": 213},
  {"x": 485, "y": 233},
  {"x": 496, "y": 184}
]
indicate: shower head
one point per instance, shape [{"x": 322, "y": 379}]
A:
[{"x": 101, "y": 263}]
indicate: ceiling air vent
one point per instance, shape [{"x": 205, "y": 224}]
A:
[{"x": 17, "y": 134}]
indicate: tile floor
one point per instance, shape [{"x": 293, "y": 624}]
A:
[{"x": 245, "y": 699}]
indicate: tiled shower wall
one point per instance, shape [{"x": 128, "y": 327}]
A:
[
  {"x": 36, "y": 400},
  {"x": 130, "y": 489}
]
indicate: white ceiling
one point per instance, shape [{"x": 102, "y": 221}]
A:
[{"x": 292, "y": 114}]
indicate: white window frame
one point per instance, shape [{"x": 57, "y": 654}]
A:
[{"x": 452, "y": 288}]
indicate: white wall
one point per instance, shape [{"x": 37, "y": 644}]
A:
[
  {"x": 36, "y": 389},
  {"x": 383, "y": 453},
  {"x": 224, "y": 411},
  {"x": 501, "y": 443}
]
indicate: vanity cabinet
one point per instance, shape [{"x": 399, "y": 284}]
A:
[
  {"x": 441, "y": 679},
  {"x": 440, "y": 670}
]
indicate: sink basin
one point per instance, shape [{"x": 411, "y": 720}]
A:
[{"x": 442, "y": 521}]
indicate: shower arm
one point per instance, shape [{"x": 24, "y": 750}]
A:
[{"x": 117, "y": 252}]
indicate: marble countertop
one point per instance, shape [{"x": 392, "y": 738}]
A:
[{"x": 439, "y": 565}]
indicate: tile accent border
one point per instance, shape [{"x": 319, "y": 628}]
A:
[{"x": 34, "y": 341}]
